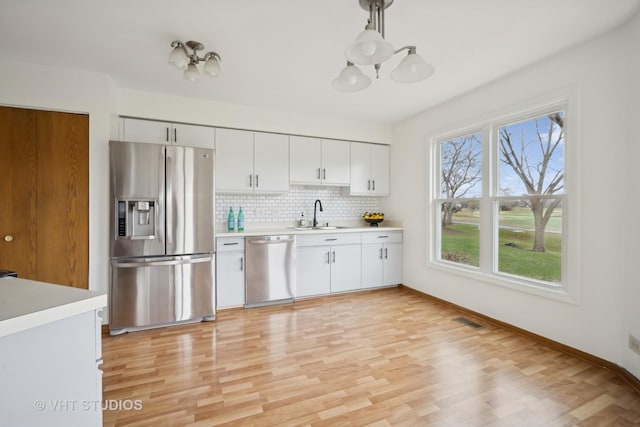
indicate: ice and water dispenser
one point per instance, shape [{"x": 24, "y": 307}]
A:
[{"x": 136, "y": 219}]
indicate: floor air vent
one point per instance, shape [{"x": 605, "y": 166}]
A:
[{"x": 468, "y": 322}]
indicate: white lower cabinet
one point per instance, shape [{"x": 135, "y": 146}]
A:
[
  {"x": 381, "y": 259},
  {"x": 313, "y": 271},
  {"x": 328, "y": 263},
  {"x": 230, "y": 265},
  {"x": 345, "y": 271}
]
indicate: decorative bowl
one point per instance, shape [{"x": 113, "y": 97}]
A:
[
  {"x": 374, "y": 218},
  {"x": 374, "y": 222}
]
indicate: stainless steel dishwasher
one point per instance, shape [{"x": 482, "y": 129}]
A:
[{"x": 270, "y": 269}]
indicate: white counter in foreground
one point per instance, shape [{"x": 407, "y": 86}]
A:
[
  {"x": 50, "y": 350},
  {"x": 27, "y": 304}
]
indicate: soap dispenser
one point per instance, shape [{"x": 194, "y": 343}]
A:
[{"x": 302, "y": 222}]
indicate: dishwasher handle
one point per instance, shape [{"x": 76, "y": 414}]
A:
[{"x": 268, "y": 242}]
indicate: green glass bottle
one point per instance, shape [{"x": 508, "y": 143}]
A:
[
  {"x": 240, "y": 220},
  {"x": 231, "y": 220}
]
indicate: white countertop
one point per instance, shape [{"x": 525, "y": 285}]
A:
[
  {"x": 275, "y": 230},
  {"x": 25, "y": 304}
]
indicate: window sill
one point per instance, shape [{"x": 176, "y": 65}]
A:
[{"x": 558, "y": 294}]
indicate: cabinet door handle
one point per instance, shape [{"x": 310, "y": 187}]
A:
[
  {"x": 318, "y": 173},
  {"x": 250, "y": 180},
  {"x": 374, "y": 185},
  {"x": 324, "y": 173},
  {"x": 241, "y": 263},
  {"x": 334, "y": 257},
  {"x": 385, "y": 253},
  {"x": 328, "y": 257},
  {"x": 167, "y": 137},
  {"x": 175, "y": 135},
  {"x": 382, "y": 237},
  {"x": 230, "y": 244},
  {"x": 368, "y": 184},
  {"x": 380, "y": 253},
  {"x": 257, "y": 184}
]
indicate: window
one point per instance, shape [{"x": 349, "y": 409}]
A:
[
  {"x": 460, "y": 188},
  {"x": 501, "y": 198}
]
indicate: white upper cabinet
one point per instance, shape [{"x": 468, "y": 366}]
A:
[
  {"x": 335, "y": 162},
  {"x": 234, "y": 160},
  {"x": 155, "y": 132},
  {"x": 316, "y": 161},
  {"x": 369, "y": 169},
  {"x": 271, "y": 162},
  {"x": 305, "y": 156},
  {"x": 251, "y": 162}
]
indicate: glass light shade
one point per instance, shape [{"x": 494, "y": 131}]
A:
[
  {"x": 178, "y": 58},
  {"x": 351, "y": 79},
  {"x": 411, "y": 69},
  {"x": 192, "y": 73},
  {"x": 212, "y": 67},
  {"x": 369, "y": 48}
]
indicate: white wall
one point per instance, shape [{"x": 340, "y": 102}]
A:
[
  {"x": 51, "y": 88},
  {"x": 631, "y": 291},
  {"x": 198, "y": 111},
  {"x": 596, "y": 71}
]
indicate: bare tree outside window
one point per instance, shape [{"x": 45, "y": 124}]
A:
[
  {"x": 461, "y": 172},
  {"x": 533, "y": 152}
]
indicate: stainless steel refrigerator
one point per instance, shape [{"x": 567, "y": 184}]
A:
[{"x": 162, "y": 236}]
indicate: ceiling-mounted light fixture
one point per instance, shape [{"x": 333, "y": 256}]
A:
[
  {"x": 351, "y": 79},
  {"x": 181, "y": 58},
  {"x": 370, "y": 48}
]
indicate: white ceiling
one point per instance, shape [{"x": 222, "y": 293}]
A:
[{"x": 283, "y": 54}]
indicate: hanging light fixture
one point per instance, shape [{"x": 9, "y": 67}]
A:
[
  {"x": 371, "y": 48},
  {"x": 181, "y": 58},
  {"x": 351, "y": 79},
  {"x": 412, "y": 68}
]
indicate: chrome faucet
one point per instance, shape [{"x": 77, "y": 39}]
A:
[{"x": 315, "y": 205}]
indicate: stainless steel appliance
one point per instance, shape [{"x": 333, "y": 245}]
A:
[
  {"x": 270, "y": 269},
  {"x": 7, "y": 273},
  {"x": 162, "y": 235}
]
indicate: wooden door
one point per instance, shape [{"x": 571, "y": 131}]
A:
[
  {"x": 44, "y": 164},
  {"x": 18, "y": 191}
]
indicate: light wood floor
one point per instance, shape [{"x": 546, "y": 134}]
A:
[{"x": 387, "y": 357}]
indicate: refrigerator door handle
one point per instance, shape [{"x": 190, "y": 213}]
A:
[
  {"x": 169, "y": 198},
  {"x": 138, "y": 237},
  {"x": 136, "y": 264}
]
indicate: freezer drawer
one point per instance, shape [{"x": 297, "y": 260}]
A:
[{"x": 151, "y": 292}]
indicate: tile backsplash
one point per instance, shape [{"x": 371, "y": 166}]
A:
[{"x": 287, "y": 207}]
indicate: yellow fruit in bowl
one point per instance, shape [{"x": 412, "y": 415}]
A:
[{"x": 373, "y": 215}]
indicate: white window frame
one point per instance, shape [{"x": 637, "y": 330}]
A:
[{"x": 568, "y": 290}]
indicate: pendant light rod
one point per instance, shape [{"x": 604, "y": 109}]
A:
[{"x": 411, "y": 49}]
